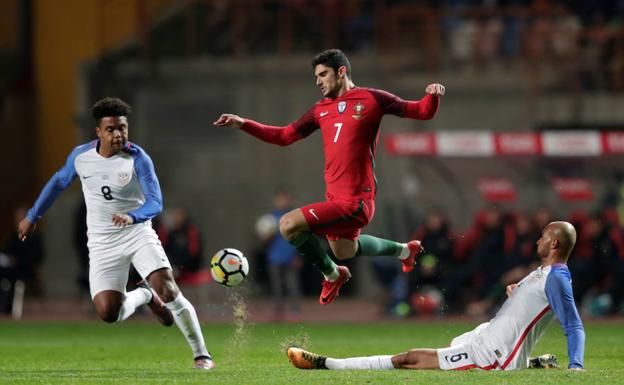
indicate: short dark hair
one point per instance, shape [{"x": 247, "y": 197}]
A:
[
  {"x": 110, "y": 107},
  {"x": 333, "y": 58}
]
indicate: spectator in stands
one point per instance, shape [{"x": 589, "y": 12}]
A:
[
  {"x": 599, "y": 253},
  {"x": 615, "y": 287},
  {"x": 183, "y": 244},
  {"x": 608, "y": 248},
  {"x": 472, "y": 280},
  {"x": 435, "y": 267},
  {"x": 520, "y": 239},
  {"x": 82, "y": 251},
  {"x": 26, "y": 257},
  {"x": 283, "y": 264}
]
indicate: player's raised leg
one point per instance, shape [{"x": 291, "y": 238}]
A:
[
  {"x": 405, "y": 252},
  {"x": 184, "y": 315}
]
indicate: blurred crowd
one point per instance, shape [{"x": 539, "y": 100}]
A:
[{"x": 579, "y": 44}]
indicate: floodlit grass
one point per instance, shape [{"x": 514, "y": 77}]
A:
[{"x": 138, "y": 353}]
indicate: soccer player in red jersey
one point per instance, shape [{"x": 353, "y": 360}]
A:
[{"x": 349, "y": 118}]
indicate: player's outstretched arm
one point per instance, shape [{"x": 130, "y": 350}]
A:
[
  {"x": 281, "y": 136},
  {"x": 559, "y": 293},
  {"x": 59, "y": 182}
]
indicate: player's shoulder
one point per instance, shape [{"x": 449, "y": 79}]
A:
[
  {"x": 382, "y": 98},
  {"x": 375, "y": 92},
  {"x": 560, "y": 269},
  {"x": 135, "y": 150},
  {"x": 83, "y": 148},
  {"x": 559, "y": 273}
]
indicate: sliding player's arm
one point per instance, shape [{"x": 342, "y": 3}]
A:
[
  {"x": 559, "y": 294},
  {"x": 282, "y": 136},
  {"x": 59, "y": 182}
]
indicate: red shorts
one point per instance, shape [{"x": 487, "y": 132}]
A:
[{"x": 339, "y": 219}]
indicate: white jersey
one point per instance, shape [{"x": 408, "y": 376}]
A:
[
  {"x": 512, "y": 334},
  {"x": 123, "y": 183}
]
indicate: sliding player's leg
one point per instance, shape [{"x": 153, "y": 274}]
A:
[{"x": 414, "y": 359}]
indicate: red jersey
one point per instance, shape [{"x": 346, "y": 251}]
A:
[{"x": 350, "y": 128}]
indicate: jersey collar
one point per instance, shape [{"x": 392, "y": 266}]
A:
[{"x": 125, "y": 148}]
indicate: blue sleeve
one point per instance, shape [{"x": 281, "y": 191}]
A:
[
  {"x": 55, "y": 186},
  {"x": 559, "y": 294},
  {"x": 149, "y": 185}
]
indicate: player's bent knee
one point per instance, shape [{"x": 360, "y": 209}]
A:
[
  {"x": 165, "y": 287},
  {"x": 344, "y": 254},
  {"x": 108, "y": 305},
  {"x": 287, "y": 228},
  {"x": 169, "y": 291},
  {"x": 108, "y": 314}
]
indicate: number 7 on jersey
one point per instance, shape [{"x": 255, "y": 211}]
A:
[{"x": 338, "y": 126}]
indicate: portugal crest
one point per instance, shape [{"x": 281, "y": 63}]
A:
[
  {"x": 358, "y": 111},
  {"x": 342, "y": 106}
]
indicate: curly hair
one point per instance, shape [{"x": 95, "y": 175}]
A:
[{"x": 110, "y": 107}]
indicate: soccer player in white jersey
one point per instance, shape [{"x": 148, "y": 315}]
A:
[
  {"x": 505, "y": 342},
  {"x": 122, "y": 195}
]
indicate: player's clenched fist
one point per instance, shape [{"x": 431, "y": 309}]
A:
[
  {"x": 229, "y": 120},
  {"x": 435, "y": 89},
  {"x": 25, "y": 228}
]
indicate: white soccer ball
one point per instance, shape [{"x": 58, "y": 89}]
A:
[{"x": 229, "y": 267}]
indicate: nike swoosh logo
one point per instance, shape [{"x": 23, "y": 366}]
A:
[
  {"x": 324, "y": 113},
  {"x": 313, "y": 214},
  {"x": 87, "y": 177},
  {"x": 325, "y": 299}
]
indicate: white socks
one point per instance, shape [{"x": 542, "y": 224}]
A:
[
  {"x": 135, "y": 298},
  {"x": 405, "y": 252},
  {"x": 370, "y": 363},
  {"x": 333, "y": 276},
  {"x": 186, "y": 318}
]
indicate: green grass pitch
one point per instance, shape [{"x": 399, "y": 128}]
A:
[{"x": 145, "y": 353}]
